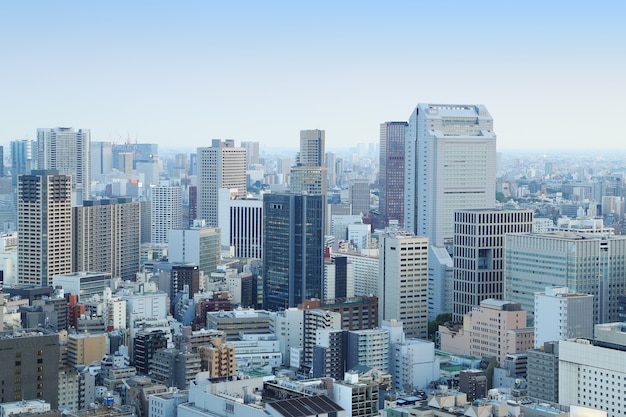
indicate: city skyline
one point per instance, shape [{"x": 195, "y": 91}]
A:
[{"x": 193, "y": 71}]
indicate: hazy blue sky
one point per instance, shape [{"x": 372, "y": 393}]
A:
[{"x": 179, "y": 73}]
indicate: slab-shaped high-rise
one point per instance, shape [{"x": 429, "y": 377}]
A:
[
  {"x": 584, "y": 261},
  {"x": 44, "y": 224},
  {"x": 450, "y": 161},
  {"x": 107, "y": 236},
  {"x": 166, "y": 211}
]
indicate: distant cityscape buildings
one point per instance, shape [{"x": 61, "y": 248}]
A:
[{"x": 424, "y": 274}]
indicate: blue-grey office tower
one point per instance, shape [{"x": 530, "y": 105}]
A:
[
  {"x": 23, "y": 158},
  {"x": 293, "y": 249}
]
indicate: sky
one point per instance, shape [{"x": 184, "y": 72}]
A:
[{"x": 552, "y": 74}]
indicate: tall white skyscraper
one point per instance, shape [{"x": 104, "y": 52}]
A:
[
  {"x": 403, "y": 280},
  {"x": 220, "y": 166},
  {"x": 450, "y": 160},
  {"x": 166, "y": 211},
  {"x": 69, "y": 152},
  {"x": 44, "y": 224}
]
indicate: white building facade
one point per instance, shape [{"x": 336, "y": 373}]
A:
[
  {"x": 166, "y": 211},
  {"x": 220, "y": 166},
  {"x": 403, "y": 280},
  {"x": 561, "y": 314},
  {"x": 591, "y": 373},
  {"x": 450, "y": 160}
]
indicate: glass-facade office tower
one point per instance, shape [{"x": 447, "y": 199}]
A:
[
  {"x": 44, "y": 224},
  {"x": 101, "y": 159},
  {"x": 293, "y": 249},
  {"x": 450, "y": 160},
  {"x": 391, "y": 176},
  {"x": 583, "y": 261},
  {"x": 220, "y": 166},
  {"x": 69, "y": 152}
]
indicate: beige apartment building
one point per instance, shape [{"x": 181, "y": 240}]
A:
[{"x": 496, "y": 328}]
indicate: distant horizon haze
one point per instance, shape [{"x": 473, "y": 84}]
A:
[{"x": 187, "y": 72}]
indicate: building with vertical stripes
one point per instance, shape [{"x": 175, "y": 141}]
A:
[
  {"x": 107, "y": 235},
  {"x": 584, "y": 261},
  {"x": 166, "y": 211},
  {"x": 479, "y": 254},
  {"x": 241, "y": 225},
  {"x": 391, "y": 175},
  {"x": 44, "y": 225}
]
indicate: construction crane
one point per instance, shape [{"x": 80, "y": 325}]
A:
[{"x": 132, "y": 392}]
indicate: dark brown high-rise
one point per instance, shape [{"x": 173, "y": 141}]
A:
[{"x": 391, "y": 177}]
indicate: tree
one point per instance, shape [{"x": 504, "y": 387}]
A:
[{"x": 434, "y": 325}]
